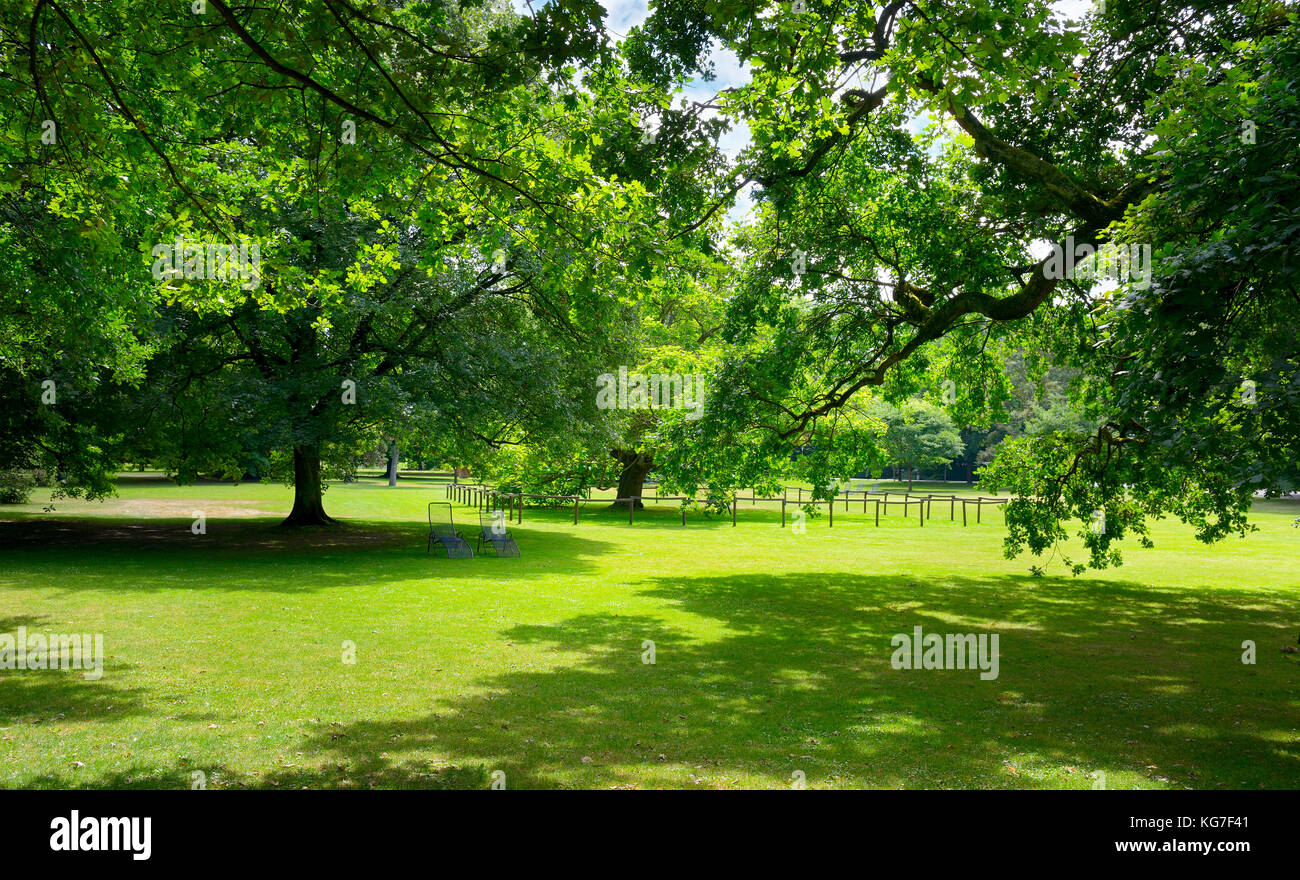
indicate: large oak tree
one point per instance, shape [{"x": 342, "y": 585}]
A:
[{"x": 918, "y": 158}]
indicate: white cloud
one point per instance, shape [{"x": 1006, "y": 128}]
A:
[
  {"x": 623, "y": 15},
  {"x": 1073, "y": 9}
]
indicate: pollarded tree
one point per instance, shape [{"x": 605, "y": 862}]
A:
[
  {"x": 640, "y": 380},
  {"x": 666, "y": 385}
]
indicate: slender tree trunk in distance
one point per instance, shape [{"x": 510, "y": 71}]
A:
[
  {"x": 392, "y": 463},
  {"x": 308, "y": 509},
  {"x": 631, "y": 482}
]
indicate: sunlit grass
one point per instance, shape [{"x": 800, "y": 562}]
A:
[{"x": 224, "y": 650}]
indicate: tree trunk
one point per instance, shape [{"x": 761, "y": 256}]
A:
[
  {"x": 308, "y": 509},
  {"x": 909, "y": 478},
  {"x": 392, "y": 463},
  {"x": 631, "y": 482}
]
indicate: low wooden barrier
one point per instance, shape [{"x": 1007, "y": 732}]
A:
[{"x": 486, "y": 498}]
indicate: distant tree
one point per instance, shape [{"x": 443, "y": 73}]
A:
[
  {"x": 917, "y": 434},
  {"x": 1059, "y": 415}
]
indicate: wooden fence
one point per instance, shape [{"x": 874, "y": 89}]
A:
[{"x": 486, "y": 498}]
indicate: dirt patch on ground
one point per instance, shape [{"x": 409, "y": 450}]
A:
[{"x": 184, "y": 509}]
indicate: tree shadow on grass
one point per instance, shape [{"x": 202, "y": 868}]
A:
[
  {"x": 184, "y": 774},
  {"x": 42, "y": 696},
  {"x": 793, "y": 676},
  {"x": 256, "y": 555},
  {"x": 1094, "y": 676}
]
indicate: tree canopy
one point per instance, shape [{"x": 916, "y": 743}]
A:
[
  {"x": 449, "y": 219},
  {"x": 925, "y": 167}
]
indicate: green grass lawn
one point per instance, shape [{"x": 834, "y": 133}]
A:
[{"x": 224, "y": 651}]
